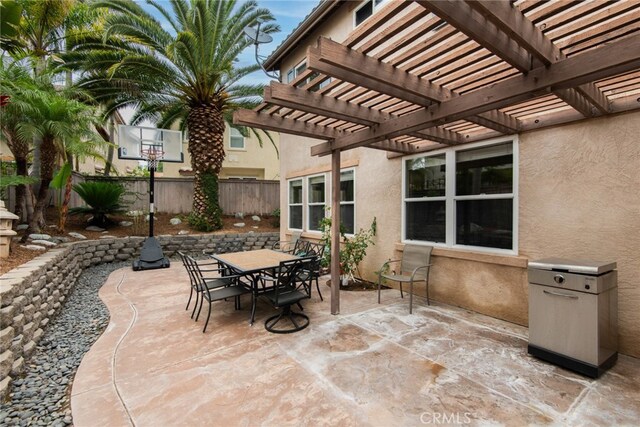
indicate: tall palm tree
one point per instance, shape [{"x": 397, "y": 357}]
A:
[{"x": 185, "y": 74}]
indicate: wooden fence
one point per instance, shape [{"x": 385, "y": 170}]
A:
[{"x": 175, "y": 195}]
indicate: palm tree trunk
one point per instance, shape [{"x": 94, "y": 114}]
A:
[
  {"x": 21, "y": 190},
  {"x": 205, "y": 124},
  {"x": 64, "y": 208},
  {"x": 47, "y": 164}
]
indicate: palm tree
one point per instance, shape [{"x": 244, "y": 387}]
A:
[
  {"x": 186, "y": 74},
  {"x": 61, "y": 123}
]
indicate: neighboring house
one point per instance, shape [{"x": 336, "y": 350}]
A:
[
  {"x": 539, "y": 181},
  {"x": 245, "y": 159}
]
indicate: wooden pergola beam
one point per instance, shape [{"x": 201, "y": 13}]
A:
[
  {"x": 512, "y": 22},
  {"x": 333, "y": 59},
  {"x": 280, "y": 124},
  {"x": 294, "y": 127},
  {"x": 611, "y": 59},
  {"x": 310, "y": 102},
  {"x": 477, "y": 27}
]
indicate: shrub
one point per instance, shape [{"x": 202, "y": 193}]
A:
[
  {"x": 103, "y": 199},
  {"x": 352, "y": 250}
]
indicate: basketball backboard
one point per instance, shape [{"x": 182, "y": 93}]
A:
[{"x": 133, "y": 140}]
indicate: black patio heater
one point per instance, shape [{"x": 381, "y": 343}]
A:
[{"x": 151, "y": 255}]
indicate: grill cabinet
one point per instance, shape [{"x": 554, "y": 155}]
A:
[{"x": 573, "y": 314}]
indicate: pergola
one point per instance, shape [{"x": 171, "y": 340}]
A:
[{"x": 422, "y": 75}]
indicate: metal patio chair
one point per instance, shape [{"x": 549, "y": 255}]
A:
[
  {"x": 413, "y": 267},
  {"x": 288, "y": 290},
  {"x": 315, "y": 250},
  {"x": 211, "y": 289}
]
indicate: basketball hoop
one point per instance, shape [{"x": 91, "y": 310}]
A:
[{"x": 153, "y": 154}]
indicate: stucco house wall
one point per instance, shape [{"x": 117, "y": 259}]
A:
[{"x": 578, "y": 198}]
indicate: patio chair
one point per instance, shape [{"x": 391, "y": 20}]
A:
[
  {"x": 212, "y": 289},
  {"x": 317, "y": 251},
  {"x": 289, "y": 246},
  {"x": 287, "y": 290},
  {"x": 193, "y": 277},
  {"x": 414, "y": 267}
]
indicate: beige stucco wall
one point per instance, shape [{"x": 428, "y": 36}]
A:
[{"x": 578, "y": 197}]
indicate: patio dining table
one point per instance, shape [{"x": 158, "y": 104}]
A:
[{"x": 252, "y": 264}]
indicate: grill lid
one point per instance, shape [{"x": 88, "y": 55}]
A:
[{"x": 573, "y": 265}]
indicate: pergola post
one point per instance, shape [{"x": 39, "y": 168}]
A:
[{"x": 335, "y": 232}]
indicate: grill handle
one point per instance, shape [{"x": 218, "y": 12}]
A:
[{"x": 560, "y": 295}]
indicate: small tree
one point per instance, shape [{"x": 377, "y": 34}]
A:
[{"x": 352, "y": 250}]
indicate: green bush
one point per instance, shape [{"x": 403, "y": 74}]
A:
[
  {"x": 103, "y": 199},
  {"x": 352, "y": 250}
]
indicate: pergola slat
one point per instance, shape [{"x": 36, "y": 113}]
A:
[
  {"x": 335, "y": 59},
  {"x": 619, "y": 57}
]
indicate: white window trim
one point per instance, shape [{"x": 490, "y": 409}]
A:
[
  {"x": 450, "y": 197},
  {"x": 355, "y": 197},
  {"x": 308, "y": 204},
  {"x": 289, "y": 204},
  {"x": 295, "y": 70},
  {"x": 244, "y": 142},
  {"x": 376, "y": 7}
]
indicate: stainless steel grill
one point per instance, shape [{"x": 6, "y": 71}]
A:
[{"x": 573, "y": 313}]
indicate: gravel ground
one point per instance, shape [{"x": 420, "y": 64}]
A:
[{"x": 41, "y": 396}]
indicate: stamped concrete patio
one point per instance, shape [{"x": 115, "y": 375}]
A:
[{"x": 372, "y": 365}]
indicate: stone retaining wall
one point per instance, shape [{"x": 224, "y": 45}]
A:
[{"x": 32, "y": 294}]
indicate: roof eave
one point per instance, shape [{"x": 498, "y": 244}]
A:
[{"x": 308, "y": 24}]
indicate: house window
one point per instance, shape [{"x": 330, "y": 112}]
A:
[
  {"x": 316, "y": 202},
  {"x": 295, "y": 204},
  {"x": 236, "y": 140},
  {"x": 367, "y": 9},
  {"x": 295, "y": 71},
  {"x": 462, "y": 198},
  {"x": 347, "y": 200}
]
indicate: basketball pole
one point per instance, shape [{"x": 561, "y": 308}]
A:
[
  {"x": 152, "y": 186},
  {"x": 151, "y": 255}
]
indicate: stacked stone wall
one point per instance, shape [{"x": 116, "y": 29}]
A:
[{"x": 32, "y": 294}]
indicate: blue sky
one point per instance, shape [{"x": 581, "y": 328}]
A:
[{"x": 288, "y": 14}]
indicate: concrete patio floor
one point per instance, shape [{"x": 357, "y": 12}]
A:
[{"x": 371, "y": 365}]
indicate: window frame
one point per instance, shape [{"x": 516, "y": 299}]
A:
[
  {"x": 355, "y": 197},
  {"x": 294, "y": 70},
  {"x": 375, "y": 9},
  {"x": 289, "y": 204},
  {"x": 308, "y": 204},
  {"x": 244, "y": 144},
  {"x": 451, "y": 198}
]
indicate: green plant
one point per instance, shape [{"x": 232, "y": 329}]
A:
[
  {"x": 103, "y": 198},
  {"x": 352, "y": 250},
  {"x": 275, "y": 217},
  {"x": 212, "y": 218},
  {"x": 199, "y": 223}
]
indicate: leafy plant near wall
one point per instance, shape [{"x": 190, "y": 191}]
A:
[
  {"x": 275, "y": 217},
  {"x": 103, "y": 199},
  {"x": 352, "y": 250},
  {"x": 213, "y": 215}
]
